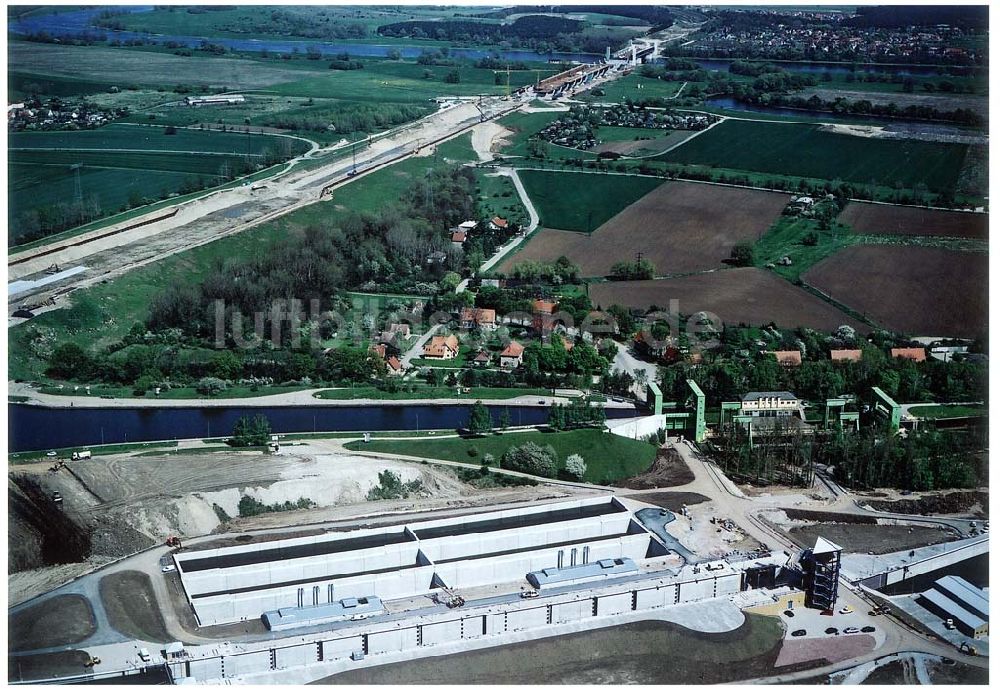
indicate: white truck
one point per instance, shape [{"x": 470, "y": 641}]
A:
[{"x": 81, "y": 455}]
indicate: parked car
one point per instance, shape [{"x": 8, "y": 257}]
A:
[
  {"x": 851, "y": 630},
  {"x": 144, "y": 655},
  {"x": 167, "y": 568},
  {"x": 530, "y": 593},
  {"x": 846, "y": 610},
  {"x": 868, "y": 629},
  {"x": 789, "y": 613},
  {"x": 799, "y": 632},
  {"x": 831, "y": 630},
  {"x": 51, "y": 453}
]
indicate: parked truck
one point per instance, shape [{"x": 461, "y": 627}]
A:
[{"x": 81, "y": 455}]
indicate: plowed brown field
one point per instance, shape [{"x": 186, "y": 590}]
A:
[
  {"x": 680, "y": 227},
  {"x": 875, "y": 219},
  {"x": 916, "y": 290},
  {"x": 738, "y": 296}
]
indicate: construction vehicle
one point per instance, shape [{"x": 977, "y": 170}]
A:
[
  {"x": 949, "y": 623},
  {"x": 968, "y": 649},
  {"x": 174, "y": 541},
  {"x": 58, "y": 466},
  {"x": 456, "y": 601},
  {"x": 81, "y": 455},
  {"x": 92, "y": 661},
  {"x": 57, "y": 498}
]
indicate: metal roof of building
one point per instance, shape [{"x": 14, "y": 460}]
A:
[
  {"x": 313, "y": 614},
  {"x": 949, "y": 608},
  {"x": 966, "y": 594},
  {"x": 751, "y": 396},
  {"x": 602, "y": 567},
  {"x": 824, "y": 545}
]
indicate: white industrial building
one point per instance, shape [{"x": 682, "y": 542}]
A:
[{"x": 239, "y": 583}]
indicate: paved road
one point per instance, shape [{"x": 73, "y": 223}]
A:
[{"x": 533, "y": 219}]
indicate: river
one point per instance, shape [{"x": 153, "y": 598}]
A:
[
  {"x": 34, "y": 427},
  {"x": 78, "y": 23}
]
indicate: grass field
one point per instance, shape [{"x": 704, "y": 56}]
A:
[
  {"x": 498, "y": 197},
  {"x": 608, "y": 457},
  {"x": 784, "y": 238},
  {"x": 809, "y": 151},
  {"x": 103, "y": 313},
  {"x": 582, "y": 202},
  {"x": 634, "y": 87}
]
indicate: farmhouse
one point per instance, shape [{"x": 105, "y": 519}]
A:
[
  {"x": 845, "y": 355},
  {"x": 511, "y": 356},
  {"x": 917, "y": 355},
  {"x": 498, "y": 223},
  {"x": 787, "y": 359},
  {"x": 442, "y": 347},
  {"x": 458, "y": 236},
  {"x": 478, "y": 318}
]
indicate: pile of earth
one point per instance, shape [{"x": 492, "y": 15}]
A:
[
  {"x": 974, "y": 502},
  {"x": 39, "y": 532},
  {"x": 668, "y": 470}
]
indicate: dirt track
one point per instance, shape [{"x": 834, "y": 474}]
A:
[
  {"x": 738, "y": 296},
  {"x": 914, "y": 290},
  {"x": 876, "y": 219},
  {"x": 680, "y": 227}
]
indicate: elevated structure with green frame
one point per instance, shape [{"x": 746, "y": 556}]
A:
[
  {"x": 833, "y": 413},
  {"x": 654, "y": 398},
  {"x": 886, "y": 408},
  {"x": 698, "y": 432}
]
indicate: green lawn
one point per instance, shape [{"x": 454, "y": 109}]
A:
[
  {"x": 498, "y": 197},
  {"x": 609, "y": 457},
  {"x": 582, "y": 202},
  {"x": 807, "y": 151},
  {"x": 609, "y": 134},
  {"x": 948, "y": 411}
]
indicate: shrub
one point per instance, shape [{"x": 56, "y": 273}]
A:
[
  {"x": 576, "y": 466},
  {"x": 531, "y": 458},
  {"x": 488, "y": 460}
]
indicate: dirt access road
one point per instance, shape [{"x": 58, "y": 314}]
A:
[{"x": 227, "y": 212}]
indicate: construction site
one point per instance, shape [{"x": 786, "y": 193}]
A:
[{"x": 173, "y": 575}]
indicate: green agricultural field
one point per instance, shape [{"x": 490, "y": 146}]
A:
[
  {"x": 121, "y": 165},
  {"x": 634, "y": 87},
  {"x": 582, "y": 202},
  {"x": 609, "y": 457},
  {"x": 808, "y": 151}
]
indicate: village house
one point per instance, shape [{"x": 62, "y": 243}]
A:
[
  {"x": 441, "y": 348},
  {"x": 845, "y": 355},
  {"x": 787, "y": 359},
  {"x": 394, "y": 365},
  {"x": 917, "y": 355},
  {"x": 478, "y": 318},
  {"x": 458, "y": 236},
  {"x": 378, "y": 350},
  {"x": 511, "y": 356},
  {"x": 482, "y": 359},
  {"x": 498, "y": 223},
  {"x": 542, "y": 320},
  {"x": 400, "y": 329}
]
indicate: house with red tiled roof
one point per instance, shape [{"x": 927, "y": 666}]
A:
[
  {"x": 787, "y": 359},
  {"x": 441, "y": 347},
  {"x": 512, "y": 356},
  {"x": 459, "y": 236},
  {"x": 499, "y": 223},
  {"x": 482, "y": 359},
  {"x": 378, "y": 350},
  {"x": 918, "y": 355},
  {"x": 845, "y": 355},
  {"x": 394, "y": 365},
  {"x": 542, "y": 320},
  {"x": 478, "y": 317}
]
